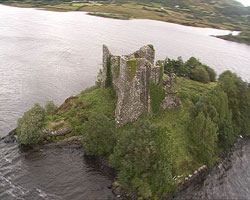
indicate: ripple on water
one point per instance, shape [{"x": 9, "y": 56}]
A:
[
  {"x": 54, "y": 174},
  {"x": 226, "y": 181}
]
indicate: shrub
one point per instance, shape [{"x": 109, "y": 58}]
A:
[
  {"x": 109, "y": 77},
  {"x": 99, "y": 136},
  {"x": 176, "y": 66},
  {"x": 238, "y": 94},
  {"x": 200, "y": 74},
  {"x": 219, "y": 100},
  {"x": 142, "y": 157},
  {"x": 211, "y": 73},
  {"x": 226, "y": 134},
  {"x": 50, "y": 107},
  {"x": 29, "y": 129},
  {"x": 215, "y": 106},
  {"x": 157, "y": 94},
  {"x": 202, "y": 134}
]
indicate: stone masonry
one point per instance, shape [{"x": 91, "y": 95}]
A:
[{"x": 131, "y": 76}]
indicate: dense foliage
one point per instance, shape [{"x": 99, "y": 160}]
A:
[
  {"x": 50, "y": 107},
  {"x": 157, "y": 94},
  {"x": 155, "y": 152},
  {"x": 203, "y": 138},
  {"x": 142, "y": 157},
  {"x": 29, "y": 129},
  {"x": 238, "y": 93},
  {"x": 192, "y": 69},
  {"x": 99, "y": 135}
]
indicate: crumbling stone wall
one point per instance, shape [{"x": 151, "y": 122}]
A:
[{"x": 131, "y": 76}]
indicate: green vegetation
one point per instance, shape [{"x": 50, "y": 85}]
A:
[
  {"x": 222, "y": 14},
  {"x": 157, "y": 94},
  {"x": 161, "y": 75},
  {"x": 99, "y": 136},
  {"x": 109, "y": 15},
  {"x": 203, "y": 139},
  {"x": 50, "y": 107},
  {"x": 243, "y": 37},
  {"x": 200, "y": 74},
  {"x": 131, "y": 69},
  {"x": 151, "y": 46},
  {"x": 143, "y": 160},
  {"x": 109, "y": 77},
  {"x": 152, "y": 151},
  {"x": 192, "y": 68},
  {"x": 117, "y": 68},
  {"x": 238, "y": 93},
  {"x": 29, "y": 129}
]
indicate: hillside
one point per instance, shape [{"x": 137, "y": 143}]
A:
[{"x": 223, "y": 14}]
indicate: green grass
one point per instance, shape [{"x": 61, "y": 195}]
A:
[
  {"x": 176, "y": 122},
  {"x": 223, "y": 14},
  {"x": 75, "y": 111}
]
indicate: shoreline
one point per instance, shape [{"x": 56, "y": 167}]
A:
[
  {"x": 219, "y": 168},
  {"x": 186, "y": 186},
  {"x": 102, "y": 11},
  {"x": 106, "y": 12}
]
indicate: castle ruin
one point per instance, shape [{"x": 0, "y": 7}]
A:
[{"x": 131, "y": 76}]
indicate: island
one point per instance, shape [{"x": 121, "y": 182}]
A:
[{"x": 158, "y": 125}]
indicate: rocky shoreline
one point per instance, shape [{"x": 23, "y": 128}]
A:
[
  {"x": 191, "y": 184},
  {"x": 191, "y": 188}
]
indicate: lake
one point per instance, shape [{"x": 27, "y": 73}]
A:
[{"x": 48, "y": 55}]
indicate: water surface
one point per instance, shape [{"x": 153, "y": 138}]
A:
[{"x": 52, "y": 55}]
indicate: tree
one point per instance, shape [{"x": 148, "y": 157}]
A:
[
  {"x": 200, "y": 74},
  {"x": 142, "y": 157},
  {"x": 203, "y": 138},
  {"x": 238, "y": 94},
  {"x": 99, "y": 137},
  {"x": 29, "y": 129}
]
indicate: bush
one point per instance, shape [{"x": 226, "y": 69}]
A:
[
  {"x": 99, "y": 136},
  {"x": 142, "y": 157},
  {"x": 202, "y": 134},
  {"x": 176, "y": 66},
  {"x": 200, "y": 74},
  {"x": 50, "y": 107},
  {"x": 219, "y": 100},
  {"x": 226, "y": 134},
  {"x": 211, "y": 73},
  {"x": 238, "y": 94},
  {"x": 29, "y": 129},
  {"x": 157, "y": 94}
]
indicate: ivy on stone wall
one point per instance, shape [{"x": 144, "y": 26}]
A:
[
  {"x": 151, "y": 46},
  {"x": 131, "y": 69},
  {"x": 117, "y": 68},
  {"x": 108, "y": 82},
  {"x": 157, "y": 94},
  {"x": 161, "y": 75}
]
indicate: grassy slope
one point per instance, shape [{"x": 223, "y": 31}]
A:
[
  {"x": 76, "y": 110},
  {"x": 190, "y": 12}
]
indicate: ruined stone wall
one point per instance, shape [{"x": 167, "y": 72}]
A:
[{"x": 131, "y": 76}]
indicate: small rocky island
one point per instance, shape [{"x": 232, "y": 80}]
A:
[{"x": 158, "y": 126}]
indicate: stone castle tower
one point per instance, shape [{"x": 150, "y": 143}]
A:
[{"x": 131, "y": 76}]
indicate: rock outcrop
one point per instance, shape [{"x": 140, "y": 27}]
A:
[{"x": 130, "y": 76}]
